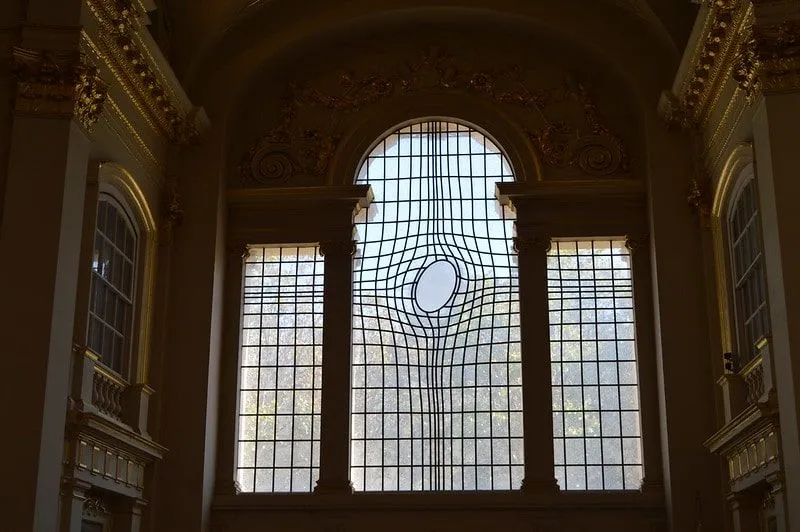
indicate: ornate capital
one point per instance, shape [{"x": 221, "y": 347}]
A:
[
  {"x": 768, "y": 60},
  {"x": 239, "y": 252},
  {"x": 336, "y": 248},
  {"x": 57, "y": 84},
  {"x": 532, "y": 244},
  {"x": 634, "y": 242}
]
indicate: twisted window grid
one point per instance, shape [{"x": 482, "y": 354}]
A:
[
  {"x": 281, "y": 370},
  {"x": 750, "y": 284},
  {"x": 437, "y": 398},
  {"x": 596, "y": 421}
]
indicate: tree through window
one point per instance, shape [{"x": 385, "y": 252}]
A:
[{"x": 437, "y": 391}]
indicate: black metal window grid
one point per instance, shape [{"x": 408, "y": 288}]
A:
[
  {"x": 112, "y": 285},
  {"x": 750, "y": 286},
  {"x": 437, "y": 391},
  {"x": 596, "y": 421},
  {"x": 280, "y": 383}
]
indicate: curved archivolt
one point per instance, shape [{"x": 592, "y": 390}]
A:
[{"x": 437, "y": 398}]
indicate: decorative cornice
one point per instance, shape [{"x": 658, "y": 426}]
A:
[
  {"x": 57, "y": 84},
  {"x": 287, "y": 151},
  {"x": 119, "y": 34}
]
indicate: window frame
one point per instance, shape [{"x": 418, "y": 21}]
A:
[
  {"x": 130, "y": 340},
  {"x": 738, "y": 323},
  {"x": 281, "y": 215}
]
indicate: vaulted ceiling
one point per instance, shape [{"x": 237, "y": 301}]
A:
[{"x": 198, "y": 27}]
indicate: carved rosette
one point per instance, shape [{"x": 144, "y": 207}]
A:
[{"x": 57, "y": 84}]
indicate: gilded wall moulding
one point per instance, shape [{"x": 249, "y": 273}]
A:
[
  {"x": 710, "y": 58},
  {"x": 768, "y": 60},
  {"x": 57, "y": 84},
  {"x": 288, "y": 150},
  {"x": 120, "y": 25}
]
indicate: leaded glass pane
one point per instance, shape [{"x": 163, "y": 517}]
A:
[
  {"x": 436, "y": 401},
  {"x": 280, "y": 380},
  {"x": 596, "y": 423},
  {"x": 112, "y": 285}
]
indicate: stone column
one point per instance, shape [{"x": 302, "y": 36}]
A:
[
  {"x": 334, "y": 475},
  {"x": 40, "y": 235},
  {"x": 532, "y": 248},
  {"x": 776, "y": 128},
  {"x": 227, "y": 483}
]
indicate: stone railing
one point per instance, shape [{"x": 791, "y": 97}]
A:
[
  {"x": 98, "y": 389},
  {"x": 753, "y": 376},
  {"x": 108, "y": 392},
  {"x": 753, "y": 383}
]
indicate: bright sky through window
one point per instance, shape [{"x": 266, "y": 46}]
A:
[{"x": 437, "y": 397}]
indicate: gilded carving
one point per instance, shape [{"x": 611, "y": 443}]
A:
[
  {"x": 94, "y": 507},
  {"x": 58, "y": 84},
  {"x": 120, "y": 25},
  {"x": 768, "y": 59},
  {"x": 698, "y": 199},
  {"x": 284, "y": 152}
]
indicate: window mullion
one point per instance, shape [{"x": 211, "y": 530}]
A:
[
  {"x": 334, "y": 474},
  {"x": 532, "y": 251}
]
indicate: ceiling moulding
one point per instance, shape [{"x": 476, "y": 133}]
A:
[{"x": 116, "y": 36}]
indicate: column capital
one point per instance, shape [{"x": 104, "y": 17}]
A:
[
  {"x": 539, "y": 487},
  {"x": 634, "y": 242},
  {"x": 333, "y": 248},
  {"x": 57, "y": 84},
  {"x": 238, "y": 252},
  {"x": 768, "y": 60},
  {"x": 532, "y": 243},
  {"x": 333, "y": 487}
]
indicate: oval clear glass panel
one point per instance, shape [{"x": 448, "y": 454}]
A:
[{"x": 435, "y": 286}]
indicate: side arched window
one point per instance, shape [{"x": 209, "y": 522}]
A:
[
  {"x": 113, "y": 272},
  {"x": 748, "y": 275}
]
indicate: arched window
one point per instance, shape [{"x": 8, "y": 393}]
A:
[
  {"x": 114, "y": 265},
  {"x": 749, "y": 278},
  {"x": 437, "y": 391}
]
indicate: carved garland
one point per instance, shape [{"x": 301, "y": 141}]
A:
[
  {"x": 57, "y": 84},
  {"x": 284, "y": 152}
]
